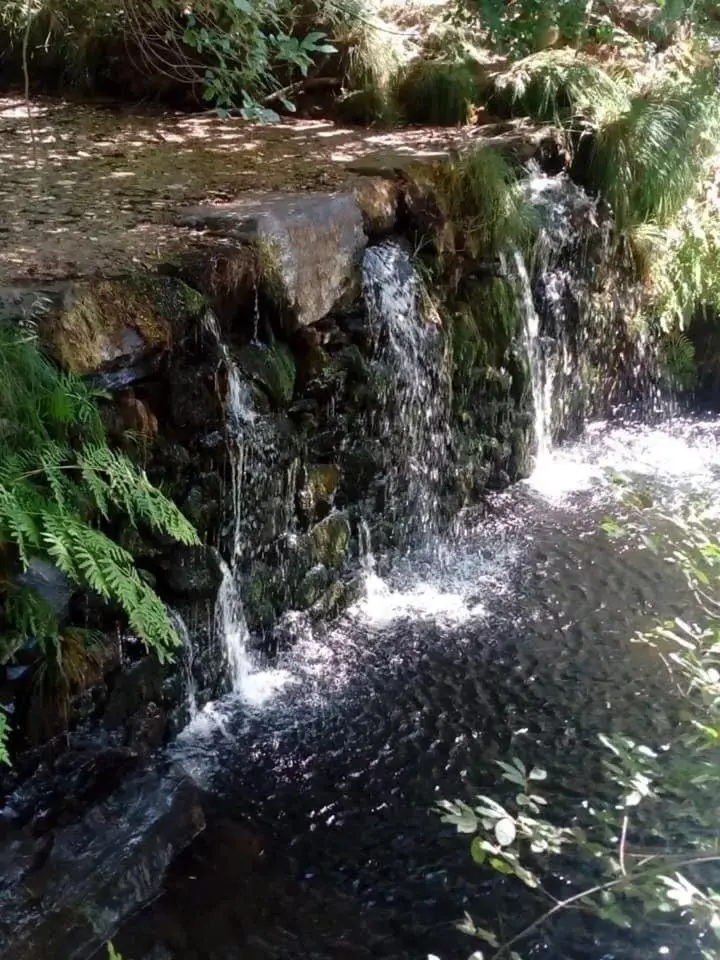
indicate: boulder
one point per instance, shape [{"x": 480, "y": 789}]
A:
[
  {"x": 309, "y": 245},
  {"x": 378, "y": 199}
]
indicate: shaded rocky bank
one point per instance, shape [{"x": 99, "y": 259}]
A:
[{"x": 262, "y": 373}]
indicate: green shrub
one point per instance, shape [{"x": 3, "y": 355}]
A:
[
  {"x": 651, "y": 159},
  {"x": 431, "y": 91}
]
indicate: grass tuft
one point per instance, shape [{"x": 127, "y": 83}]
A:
[
  {"x": 558, "y": 86},
  {"x": 485, "y": 210},
  {"x": 436, "y": 92}
]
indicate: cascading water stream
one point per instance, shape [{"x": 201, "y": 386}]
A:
[
  {"x": 414, "y": 422},
  {"x": 540, "y": 373},
  {"x": 187, "y": 659},
  {"x": 230, "y": 620}
]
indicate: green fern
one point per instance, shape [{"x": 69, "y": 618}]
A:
[{"x": 58, "y": 477}]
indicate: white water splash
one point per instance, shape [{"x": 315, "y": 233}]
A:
[{"x": 681, "y": 457}]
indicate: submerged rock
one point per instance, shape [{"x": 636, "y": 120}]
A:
[
  {"x": 309, "y": 244},
  {"x": 66, "y": 895}
]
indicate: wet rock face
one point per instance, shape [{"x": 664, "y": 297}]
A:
[
  {"x": 64, "y": 893},
  {"x": 309, "y": 245}
]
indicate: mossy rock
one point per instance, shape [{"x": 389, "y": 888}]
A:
[
  {"x": 329, "y": 540},
  {"x": 109, "y": 324},
  {"x": 273, "y": 369},
  {"x": 338, "y": 597},
  {"x": 259, "y": 597},
  {"x": 315, "y": 499},
  {"x": 312, "y": 587}
]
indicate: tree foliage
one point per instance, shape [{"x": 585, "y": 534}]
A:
[
  {"x": 242, "y": 53},
  {"x": 520, "y": 27}
]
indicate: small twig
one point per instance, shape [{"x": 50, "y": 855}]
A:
[
  {"x": 591, "y": 891},
  {"x": 26, "y": 74},
  {"x": 623, "y": 838},
  {"x": 307, "y": 83}
]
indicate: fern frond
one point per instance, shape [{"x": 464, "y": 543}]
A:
[{"x": 57, "y": 473}]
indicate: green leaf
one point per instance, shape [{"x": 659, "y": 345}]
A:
[
  {"x": 505, "y": 832},
  {"x": 502, "y": 866},
  {"x": 477, "y": 851}
]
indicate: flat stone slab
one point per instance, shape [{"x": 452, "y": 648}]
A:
[
  {"x": 511, "y": 136},
  {"x": 313, "y": 242}
]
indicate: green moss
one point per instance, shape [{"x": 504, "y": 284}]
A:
[
  {"x": 272, "y": 368},
  {"x": 193, "y": 301},
  {"x": 101, "y": 319},
  {"x": 433, "y": 91},
  {"x": 269, "y": 268}
]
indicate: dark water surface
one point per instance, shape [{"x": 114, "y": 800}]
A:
[{"x": 510, "y": 637}]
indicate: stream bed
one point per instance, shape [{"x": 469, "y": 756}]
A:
[{"x": 510, "y": 637}]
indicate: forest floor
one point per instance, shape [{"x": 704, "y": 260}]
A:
[{"x": 97, "y": 192}]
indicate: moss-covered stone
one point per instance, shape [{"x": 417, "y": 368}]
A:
[
  {"x": 107, "y": 324},
  {"x": 313, "y": 585},
  {"x": 315, "y": 499},
  {"x": 272, "y": 368},
  {"x": 328, "y": 541},
  {"x": 259, "y": 597}
]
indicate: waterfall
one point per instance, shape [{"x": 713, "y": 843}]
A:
[
  {"x": 230, "y": 622},
  {"x": 187, "y": 660},
  {"x": 541, "y": 380},
  {"x": 414, "y": 420},
  {"x": 556, "y": 304}
]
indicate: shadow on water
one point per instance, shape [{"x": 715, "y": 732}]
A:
[{"x": 511, "y": 637}]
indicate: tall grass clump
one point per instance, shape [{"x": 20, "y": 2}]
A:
[
  {"x": 484, "y": 208},
  {"x": 560, "y": 86},
  {"x": 370, "y": 58},
  {"x": 437, "y": 92},
  {"x": 650, "y": 160}
]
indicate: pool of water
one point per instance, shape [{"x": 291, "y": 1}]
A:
[{"x": 510, "y": 636}]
